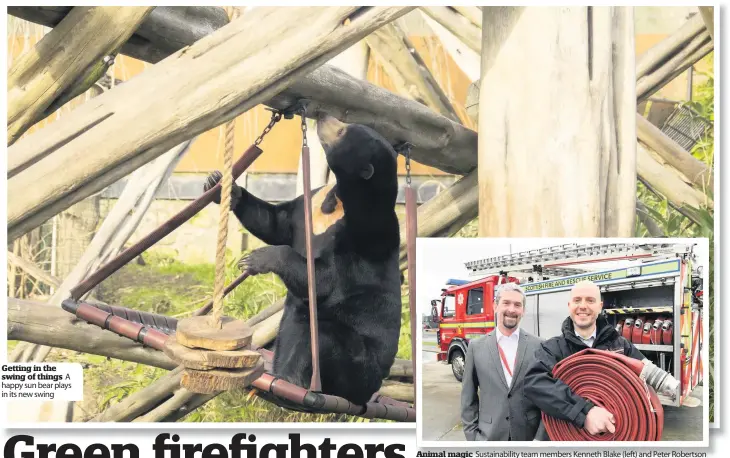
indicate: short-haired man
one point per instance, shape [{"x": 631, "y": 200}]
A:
[
  {"x": 584, "y": 328},
  {"x": 495, "y": 367}
]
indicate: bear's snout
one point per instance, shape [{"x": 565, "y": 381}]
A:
[{"x": 329, "y": 129}]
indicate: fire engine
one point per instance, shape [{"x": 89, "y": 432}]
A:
[{"x": 654, "y": 299}]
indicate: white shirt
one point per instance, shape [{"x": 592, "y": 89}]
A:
[
  {"x": 590, "y": 340},
  {"x": 509, "y": 347}
]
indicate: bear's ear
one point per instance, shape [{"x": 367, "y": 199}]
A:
[{"x": 368, "y": 172}]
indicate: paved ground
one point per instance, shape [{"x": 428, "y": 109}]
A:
[{"x": 441, "y": 399}]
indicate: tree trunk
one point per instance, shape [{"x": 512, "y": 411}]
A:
[
  {"x": 69, "y": 51},
  {"x": 227, "y": 84},
  {"x": 574, "y": 173}
]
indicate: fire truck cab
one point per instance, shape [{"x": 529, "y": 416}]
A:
[
  {"x": 466, "y": 311},
  {"x": 656, "y": 305}
]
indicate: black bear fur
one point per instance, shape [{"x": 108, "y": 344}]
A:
[{"x": 356, "y": 266}]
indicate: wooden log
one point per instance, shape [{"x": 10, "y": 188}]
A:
[
  {"x": 202, "y": 332},
  {"x": 695, "y": 170},
  {"x": 457, "y": 24},
  {"x": 657, "y": 55},
  {"x": 32, "y": 269},
  {"x": 437, "y": 142},
  {"x": 151, "y": 395},
  {"x": 177, "y": 401},
  {"x": 678, "y": 69},
  {"x": 44, "y": 324},
  {"x": 668, "y": 182},
  {"x": 653, "y": 81},
  {"x": 219, "y": 380},
  {"x": 140, "y": 402},
  {"x": 397, "y": 390},
  {"x": 564, "y": 179},
  {"x": 205, "y": 360},
  {"x": 77, "y": 44},
  {"x": 167, "y": 29},
  {"x": 114, "y": 231},
  {"x": 401, "y": 63},
  {"x": 446, "y": 212},
  {"x": 473, "y": 13},
  {"x": 468, "y": 60},
  {"x": 226, "y": 86},
  {"x": 708, "y": 17}
]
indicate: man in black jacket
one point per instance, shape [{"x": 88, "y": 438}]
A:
[{"x": 584, "y": 328}]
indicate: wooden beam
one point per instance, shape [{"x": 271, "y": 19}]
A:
[
  {"x": 457, "y": 24},
  {"x": 708, "y": 17},
  {"x": 698, "y": 173},
  {"x": 114, "y": 232},
  {"x": 401, "y": 63},
  {"x": 445, "y": 213},
  {"x": 438, "y": 142},
  {"x": 473, "y": 13},
  {"x": 32, "y": 269},
  {"x": 227, "y": 84},
  {"x": 167, "y": 29},
  {"x": 668, "y": 182},
  {"x": 76, "y": 47},
  {"x": 44, "y": 324},
  {"x": 468, "y": 60},
  {"x": 657, "y": 55},
  {"x": 680, "y": 61}
]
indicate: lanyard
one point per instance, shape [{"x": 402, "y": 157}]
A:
[{"x": 504, "y": 360}]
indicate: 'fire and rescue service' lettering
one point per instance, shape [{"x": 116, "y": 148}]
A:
[{"x": 573, "y": 280}]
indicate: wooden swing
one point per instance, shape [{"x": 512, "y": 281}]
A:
[{"x": 216, "y": 350}]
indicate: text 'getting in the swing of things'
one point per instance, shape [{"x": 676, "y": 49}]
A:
[{"x": 50, "y": 381}]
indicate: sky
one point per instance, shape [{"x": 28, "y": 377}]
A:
[{"x": 438, "y": 259}]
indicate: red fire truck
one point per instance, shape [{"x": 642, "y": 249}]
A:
[{"x": 646, "y": 300}]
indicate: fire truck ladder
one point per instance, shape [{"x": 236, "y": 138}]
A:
[{"x": 556, "y": 261}]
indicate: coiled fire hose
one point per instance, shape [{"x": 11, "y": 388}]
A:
[{"x": 624, "y": 386}]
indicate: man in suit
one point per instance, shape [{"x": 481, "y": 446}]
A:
[{"x": 495, "y": 368}]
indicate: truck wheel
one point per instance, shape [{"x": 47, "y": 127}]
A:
[{"x": 457, "y": 364}]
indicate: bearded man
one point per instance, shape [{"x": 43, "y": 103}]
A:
[{"x": 493, "y": 407}]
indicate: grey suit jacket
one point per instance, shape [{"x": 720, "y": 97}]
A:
[{"x": 490, "y": 410}]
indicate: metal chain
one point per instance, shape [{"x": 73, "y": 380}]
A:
[
  {"x": 275, "y": 117},
  {"x": 407, "y": 148},
  {"x": 303, "y": 113}
]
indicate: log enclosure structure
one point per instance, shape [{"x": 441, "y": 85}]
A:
[{"x": 574, "y": 92}]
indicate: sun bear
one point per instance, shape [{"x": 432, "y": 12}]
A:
[{"x": 356, "y": 249}]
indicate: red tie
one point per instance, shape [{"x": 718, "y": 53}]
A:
[{"x": 504, "y": 360}]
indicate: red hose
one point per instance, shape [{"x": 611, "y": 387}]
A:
[{"x": 609, "y": 380}]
